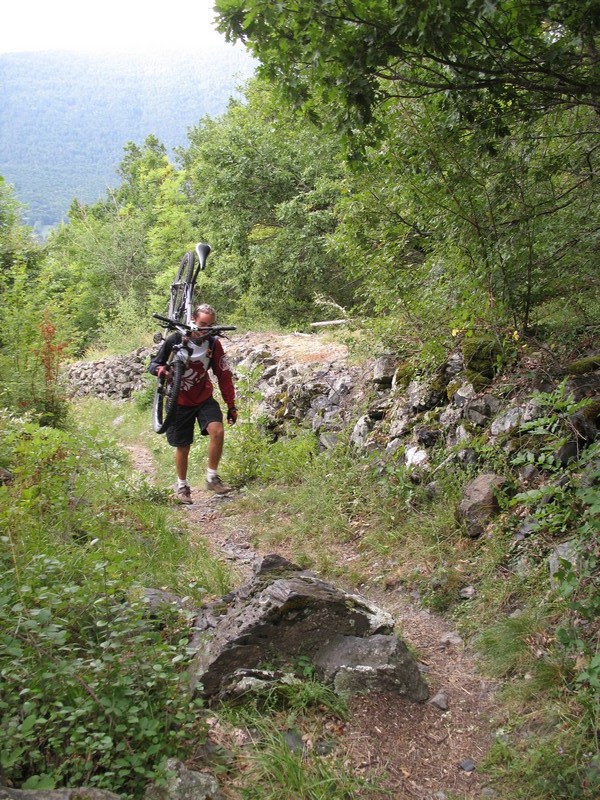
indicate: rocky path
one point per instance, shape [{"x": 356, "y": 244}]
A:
[
  {"x": 429, "y": 751},
  {"x": 302, "y": 348},
  {"x": 421, "y": 747}
]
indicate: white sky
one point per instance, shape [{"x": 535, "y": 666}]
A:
[{"x": 131, "y": 25}]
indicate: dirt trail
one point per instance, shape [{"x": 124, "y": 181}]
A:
[
  {"x": 420, "y": 746},
  {"x": 425, "y": 751}
]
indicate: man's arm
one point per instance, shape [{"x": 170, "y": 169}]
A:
[
  {"x": 162, "y": 357},
  {"x": 223, "y": 375}
]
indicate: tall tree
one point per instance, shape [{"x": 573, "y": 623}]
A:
[
  {"x": 16, "y": 241},
  {"x": 445, "y": 232},
  {"x": 118, "y": 256},
  {"x": 264, "y": 186},
  {"x": 348, "y": 56}
]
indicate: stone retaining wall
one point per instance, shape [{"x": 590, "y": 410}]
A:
[{"x": 113, "y": 377}]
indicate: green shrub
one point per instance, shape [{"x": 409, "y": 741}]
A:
[
  {"x": 144, "y": 398},
  {"x": 124, "y": 326},
  {"x": 91, "y": 692},
  {"x": 94, "y": 691},
  {"x": 30, "y": 374}
]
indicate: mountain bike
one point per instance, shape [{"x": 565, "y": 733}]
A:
[{"x": 179, "y": 319}]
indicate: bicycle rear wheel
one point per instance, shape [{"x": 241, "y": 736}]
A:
[
  {"x": 165, "y": 398},
  {"x": 180, "y": 287}
]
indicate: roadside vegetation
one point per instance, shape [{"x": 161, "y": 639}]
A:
[
  {"x": 538, "y": 636},
  {"x": 94, "y": 691},
  {"x": 432, "y": 178}
]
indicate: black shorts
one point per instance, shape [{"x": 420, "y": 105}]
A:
[{"x": 181, "y": 431}]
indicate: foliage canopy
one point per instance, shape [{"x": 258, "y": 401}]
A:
[{"x": 486, "y": 58}]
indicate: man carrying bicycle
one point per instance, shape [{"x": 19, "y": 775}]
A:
[{"x": 196, "y": 403}]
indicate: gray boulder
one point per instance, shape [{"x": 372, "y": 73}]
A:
[
  {"x": 460, "y": 435},
  {"x": 284, "y": 612},
  {"x": 509, "y": 420},
  {"x": 400, "y": 420},
  {"x": 361, "y": 431},
  {"x": 421, "y": 395},
  {"x": 479, "y": 409},
  {"x": 479, "y": 503},
  {"x": 453, "y": 366},
  {"x": 184, "y": 784},
  {"x": 383, "y": 370},
  {"x": 373, "y": 664},
  {"x": 156, "y": 599},
  {"x": 506, "y": 422},
  {"x": 416, "y": 457},
  {"x": 450, "y": 416},
  {"x": 463, "y": 394}
]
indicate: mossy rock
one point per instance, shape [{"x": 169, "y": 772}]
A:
[
  {"x": 284, "y": 399},
  {"x": 478, "y": 379},
  {"x": 480, "y": 355},
  {"x": 453, "y": 387},
  {"x": 591, "y": 412},
  {"x": 6, "y": 477},
  {"x": 403, "y": 375},
  {"x": 438, "y": 385},
  {"x": 583, "y": 366}
]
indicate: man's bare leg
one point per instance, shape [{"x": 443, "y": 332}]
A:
[
  {"x": 216, "y": 438},
  {"x": 216, "y": 434},
  {"x": 182, "y": 455}
]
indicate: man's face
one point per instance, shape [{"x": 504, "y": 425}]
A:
[{"x": 203, "y": 319}]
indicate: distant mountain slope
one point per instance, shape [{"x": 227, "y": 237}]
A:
[{"x": 65, "y": 117}]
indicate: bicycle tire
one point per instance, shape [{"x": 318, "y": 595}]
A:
[
  {"x": 184, "y": 277},
  {"x": 165, "y": 398}
]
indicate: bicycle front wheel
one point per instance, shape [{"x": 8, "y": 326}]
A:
[
  {"x": 181, "y": 289},
  {"x": 165, "y": 398}
]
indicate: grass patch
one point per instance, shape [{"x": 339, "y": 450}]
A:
[
  {"x": 277, "y": 769},
  {"x": 293, "y": 746},
  {"x": 548, "y": 756}
]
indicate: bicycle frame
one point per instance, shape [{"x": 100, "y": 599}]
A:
[{"x": 181, "y": 301}]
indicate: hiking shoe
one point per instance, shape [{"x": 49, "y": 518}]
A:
[
  {"x": 216, "y": 485},
  {"x": 184, "y": 495}
]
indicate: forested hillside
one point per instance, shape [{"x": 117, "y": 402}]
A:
[
  {"x": 429, "y": 174},
  {"x": 65, "y": 117}
]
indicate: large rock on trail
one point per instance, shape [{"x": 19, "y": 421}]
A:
[{"x": 284, "y": 612}]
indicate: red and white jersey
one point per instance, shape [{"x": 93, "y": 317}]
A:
[{"x": 196, "y": 386}]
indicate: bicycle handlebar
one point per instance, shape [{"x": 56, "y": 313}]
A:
[{"x": 214, "y": 329}]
